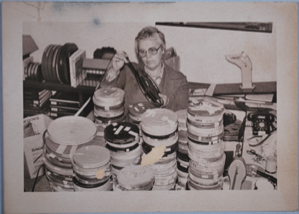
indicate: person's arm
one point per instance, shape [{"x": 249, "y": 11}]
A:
[{"x": 113, "y": 76}]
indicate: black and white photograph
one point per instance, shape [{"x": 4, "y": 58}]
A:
[{"x": 150, "y": 107}]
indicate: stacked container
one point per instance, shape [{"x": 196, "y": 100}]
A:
[
  {"x": 108, "y": 106},
  {"x": 136, "y": 110},
  {"x": 182, "y": 152},
  {"x": 205, "y": 147},
  {"x": 135, "y": 178},
  {"x": 160, "y": 128},
  {"x": 122, "y": 140},
  {"x": 92, "y": 170},
  {"x": 65, "y": 136}
]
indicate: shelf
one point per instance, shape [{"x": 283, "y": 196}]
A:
[
  {"x": 58, "y": 87},
  {"x": 234, "y": 88}
]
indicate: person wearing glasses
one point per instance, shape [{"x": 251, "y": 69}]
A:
[{"x": 150, "y": 46}]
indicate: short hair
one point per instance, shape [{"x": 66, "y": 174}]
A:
[{"x": 149, "y": 32}]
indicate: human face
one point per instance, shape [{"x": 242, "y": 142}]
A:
[{"x": 151, "y": 62}]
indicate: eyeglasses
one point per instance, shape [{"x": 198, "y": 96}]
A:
[{"x": 151, "y": 51}]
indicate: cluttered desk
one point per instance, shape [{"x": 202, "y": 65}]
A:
[{"x": 220, "y": 142}]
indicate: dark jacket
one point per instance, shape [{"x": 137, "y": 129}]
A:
[{"x": 173, "y": 84}]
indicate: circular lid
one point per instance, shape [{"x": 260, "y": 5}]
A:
[
  {"x": 108, "y": 96},
  {"x": 137, "y": 109},
  {"x": 135, "y": 176},
  {"x": 91, "y": 156},
  {"x": 205, "y": 106},
  {"x": 159, "y": 122},
  {"x": 71, "y": 130},
  {"x": 121, "y": 133}
]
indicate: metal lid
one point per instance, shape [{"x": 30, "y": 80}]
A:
[
  {"x": 137, "y": 109},
  {"x": 135, "y": 176},
  {"x": 71, "y": 130},
  {"x": 159, "y": 122},
  {"x": 108, "y": 96},
  {"x": 121, "y": 133},
  {"x": 205, "y": 106},
  {"x": 91, "y": 156}
]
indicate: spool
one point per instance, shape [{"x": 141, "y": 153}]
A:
[
  {"x": 194, "y": 121},
  {"x": 165, "y": 187},
  {"x": 108, "y": 102},
  {"x": 57, "y": 169},
  {"x": 121, "y": 135},
  {"x": 56, "y": 188},
  {"x": 71, "y": 130},
  {"x": 125, "y": 157},
  {"x": 166, "y": 140},
  {"x": 205, "y": 135},
  {"x": 163, "y": 167},
  {"x": 115, "y": 170},
  {"x": 159, "y": 122},
  {"x": 166, "y": 180},
  {"x": 168, "y": 150},
  {"x": 88, "y": 161},
  {"x": 212, "y": 152},
  {"x": 194, "y": 186},
  {"x": 104, "y": 122},
  {"x": 204, "y": 182},
  {"x": 208, "y": 167},
  {"x": 52, "y": 158},
  {"x": 205, "y": 107},
  {"x": 79, "y": 187},
  {"x": 207, "y": 175},
  {"x": 63, "y": 153},
  {"x": 136, "y": 178},
  {"x": 137, "y": 109}
]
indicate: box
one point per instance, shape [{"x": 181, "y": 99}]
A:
[{"x": 34, "y": 127}]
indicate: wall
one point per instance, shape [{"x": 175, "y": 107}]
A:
[{"x": 202, "y": 51}]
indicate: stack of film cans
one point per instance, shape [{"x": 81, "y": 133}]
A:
[
  {"x": 205, "y": 146},
  {"x": 108, "y": 106},
  {"x": 65, "y": 136},
  {"x": 136, "y": 110},
  {"x": 135, "y": 178},
  {"x": 92, "y": 170},
  {"x": 160, "y": 128},
  {"x": 122, "y": 140},
  {"x": 182, "y": 152}
]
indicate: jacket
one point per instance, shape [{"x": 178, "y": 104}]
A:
[{"x": 173, "y": 84}]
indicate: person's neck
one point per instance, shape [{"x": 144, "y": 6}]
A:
[{"x": 154, "y": 72}]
